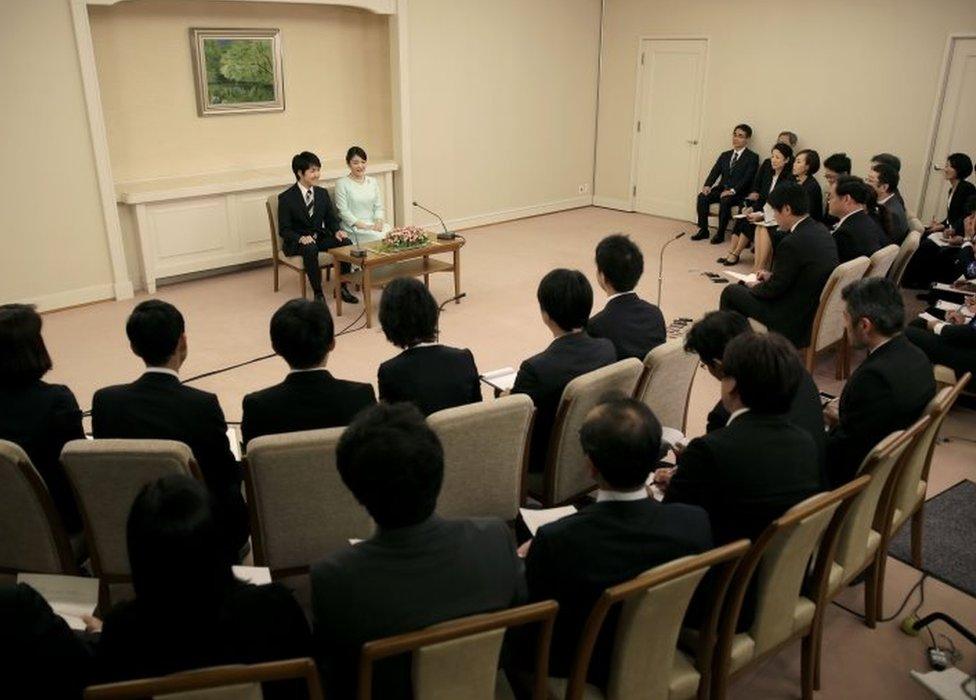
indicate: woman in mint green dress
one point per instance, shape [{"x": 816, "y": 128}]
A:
[{"x": 359, "y": 200}]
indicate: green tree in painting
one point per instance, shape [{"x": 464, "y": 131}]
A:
[{"x": 240, "y": 70}]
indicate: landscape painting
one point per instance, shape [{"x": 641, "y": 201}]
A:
[{"x": 237, "y": 70}]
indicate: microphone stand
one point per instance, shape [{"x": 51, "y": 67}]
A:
[
  {"x": 358, "y": 251},
  {"x": 447, "y": 235},
  {"x": 660, "y": 266}
]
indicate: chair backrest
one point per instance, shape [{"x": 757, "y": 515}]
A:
[
  {"x": 914, "y": 223},
  {"x": 882, "y": 260},
  {"x": 300, "y": 508},
  {"x": 485, "y": 455},
  {"x": 665, "y": 382},
  {"x": 33, "y": 537},
  {"x": 905, "y": 253},
  {"x": 828, "y": 324},
  {"x": 653, "y": 607},
  {"x": 217, "y": 683},
  {"x": 566, "y": 475},
  {"x": 459, "y": 659},
  {"x": 272, "y": 205}
]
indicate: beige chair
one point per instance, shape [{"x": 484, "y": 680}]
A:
[
  {"x": 665, "y": 382},
  {"x": 828, "y": 323},
  {"x": 882, "y": 260},
  {"x": 713, "y": 215},
  {"x": 905, "y": 253},
  {"x": 278, "y": 256},
  {"x": 217, "y": 683},
  {"x": 486, "y": 449},
  {"x": 34, "y": 538},
  {"x": 459, "y": 659},
  {"x": 565, "y": 476},
  {"x": 106, "y": 476},
  {"x": 787, "y": 599},
  {"x": 647, "y": 663},
  {"x": 914, "y": 223}
]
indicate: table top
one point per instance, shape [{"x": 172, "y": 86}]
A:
[{"x": 374, "y": 257}]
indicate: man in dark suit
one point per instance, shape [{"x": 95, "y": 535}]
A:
[
  {"x": 565, "y": 300},
  {"x": 856, "y": 233},
  {"x": 711, "y": 335},
  {"x": 834, "y": 166},
  {"x": 418, "y": 569},
  {"x": 786, "y": 299},
  {"x": 727, "y": 183},
  {"x": 622, "y": 535},
  {"x": 888, "y": 391},
  {"x": 303, "y": 334},
  {"x": 884, "y": 179},
  {"x": 633, "y": 325},
  {"x": 307, "y": 222},
  {"x": 158, "y": 406},
  {"x": 951, "y": 342}
]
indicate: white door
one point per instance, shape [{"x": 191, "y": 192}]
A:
[
  {"x": 669, "y": 126},
  {"x": 956, "y": 132}
]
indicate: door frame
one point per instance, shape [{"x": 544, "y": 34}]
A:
[
  {"x": 936, "y": 118},
  {"x": 639, "y": 103}
]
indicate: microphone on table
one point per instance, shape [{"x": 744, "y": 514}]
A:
[
  {"x": 447, "y": 235},
  {"x": 660, "y": 266}
]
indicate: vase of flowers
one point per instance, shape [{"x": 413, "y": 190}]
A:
[{"x": 404, "y": 238}]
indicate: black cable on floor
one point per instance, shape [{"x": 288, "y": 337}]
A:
[{"x": 919, "y": 586}]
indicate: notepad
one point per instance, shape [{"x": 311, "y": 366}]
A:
[
  {"x": 942, "y": 287},
  {"x": 502, "y": 379},
  {"x": 938, "y": 239},
  {"x": 928, "y": 318},
  {"x": 534, "y": 519},
  {"x": 69, "y": 596},
  {"x": 672, "y": 437},
  {"x": 739, "y": 216},
  {"x": 258, "y": 575},
  {"x": 751, "y": 277}
]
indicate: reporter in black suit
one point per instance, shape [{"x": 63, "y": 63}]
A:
[
  {"x": 884, "y": 179},
  {"x": 958, "y": 167},
  {"x": 951, "y": 342},
  {"x": 888, "y": 391},
  {"x": 302, "y": 332},
  {"x": 565, "y": 300},
  {"x": 37, "y": 416},
  {"x": 805, "y": 166},
  {"x": 633, "y": 325},
  {"x": 418, "y": 569},
  {"x": 834, "y": 166},
  {"x": 857, "y": 233},
  {"x": 431, "y": 375},
  {"x": 786, "y": 299},
  {"x": 307, "y": 222},
  {"x": 732, "y": 173},
  {"x": 158, "y": 406},
  {"x": 623, "y": 534}
]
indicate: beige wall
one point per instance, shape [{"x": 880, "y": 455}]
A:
[
  {"x": 53, "y": 238},
  {"x": 502, "y": 100},
  {"x": 337, "y": 87},
  {"x": 847, "y": 75}
]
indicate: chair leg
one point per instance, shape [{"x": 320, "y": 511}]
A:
[
  {"x": 839, "y": 362},
  {"x": 275, "y": 264},
  {"x": 720, "y": 678},
  {"x": 880, "y": 576},
  {"x": 871, "y": 595},
  {"x": 807, "y": 666},
  {"x": 916, "y": 526},
  {"x": 817, "y": 652}
]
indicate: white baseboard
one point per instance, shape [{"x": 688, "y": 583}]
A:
[
  {"x": 72, "y": 297},
  {"x": 611, "y": 203},
  {"x": 497, "y": 217}
]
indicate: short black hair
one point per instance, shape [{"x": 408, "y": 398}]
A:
[
  {"x": 303, "y": 161},
  {"x": 789, "y": 135},
  {"x": 745, "y": 127},
  {"x": 789, "y": 194},
  {"x": 353, "y": 152},
  {"x": 23, "y": 356},
  {"x": 889, "y": 159},
  {"x": 887, "y": 175},
  {"x": 408, "y": 313},
  {"x": 854, "y": 187},
  {"x": 622, "y": 438},
  {"x": 878, "y": 300},
  {"x": 812, "y": 159},
  {"x": 175, "y": 543},
  {"x": 785, "y": 150},
  {"x": 709, "y": 336},
  {"x": 393, "y": 463},
  {"x": 839, "y": 163},
  {"x": 766, "y": 369},
  {"x": 962, "y": 164},
  {"x": 567, "y": 298},
  {"x": 620, "y": 261},
  {"x": 154, "y": 329},
  {"x": 302, "y": 332}
]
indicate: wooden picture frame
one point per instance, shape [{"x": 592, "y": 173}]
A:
[{"x": 237, "y": 70}]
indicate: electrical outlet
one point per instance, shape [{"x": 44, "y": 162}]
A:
[{"x": 584, "y": 188}]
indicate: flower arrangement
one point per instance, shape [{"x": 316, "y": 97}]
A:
[{"x": 404, "y": 238}]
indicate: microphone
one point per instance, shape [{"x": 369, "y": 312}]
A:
[
  {"x": 459, "y": 297},
  {"x": 660, "y": 266},
  {"x": 358, "y": 251},
  {"x": 447, "y": 235}
]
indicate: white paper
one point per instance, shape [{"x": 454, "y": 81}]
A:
[
  {"x": 534, "y": 519},
  {"x": 354, "y": 542},
  {"x": 751, "y": 277},
  {"x": 947, "y": 288},
  {"x": 927, "y": 317},
  {"x": 946, "y": 305},
  {"x": 69, "y": 596},
  {"x": 938, "y": 239},
  {"x": 672, "y": 436},
  {"x": 235, "y": 441},
  {"x": 739, "y": 216},
  {"x": 258, "y": 575},
  {"x": 502, "y": 379}
]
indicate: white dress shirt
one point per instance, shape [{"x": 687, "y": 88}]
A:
[
  {"x": 162, "y": 370},
  {"x": 736, "y": 414},
  {"x": 619, "y": 294}
]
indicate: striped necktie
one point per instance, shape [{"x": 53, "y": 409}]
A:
[
  {"x": 309, "y": 202},
  {"x": 735, "y": 157}
]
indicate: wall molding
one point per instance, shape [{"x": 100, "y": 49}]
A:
[
  {"x": 75, "y": 297},
  {"x": 503, "y": 215},
  {"x": 612, "y": 203}
]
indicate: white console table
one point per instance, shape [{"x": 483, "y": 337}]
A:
[{"x": 205, "y": 222}]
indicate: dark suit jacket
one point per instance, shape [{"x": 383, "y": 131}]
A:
[
  {"x": 633, "y": 325},
  {"x": 801, "y": 266},
  {"x": 544, "y": 376},
  {"x": 41, "y": 418},
  {"x": 739, "y": 177},
  {"x": 433, "y": 377},
  {"x": 859, "y": 235},
  {"x": 957, "y": 205},
  {"x": 304, "y": 401},
  {"x": 887, "y": 392},
  {"x": 814, "y": 197},
  {"x": 762, "y": 184},
  {"x": 575, "y": 559},
  {"x": 899, "y": 219},
  {"x": 403, "y": 580},
  {"x": 294, "y": 221}
]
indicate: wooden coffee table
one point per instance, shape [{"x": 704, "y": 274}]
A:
[{"x": 378, "y": 268}]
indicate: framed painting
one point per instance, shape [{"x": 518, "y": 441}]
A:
[{"x": 237, "y": 70}]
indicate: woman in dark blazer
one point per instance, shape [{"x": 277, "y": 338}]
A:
[
  {"x": 37, "y": 416},
  {"x": 805, "y": 166},
  {"x": 431, "y": 375}
]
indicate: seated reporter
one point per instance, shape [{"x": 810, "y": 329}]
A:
[
  {"x": 805, "y": 166},
  {"x": 951, "y": 342},
  {"x": 884, "y": 179},
  {"x": 303, "y": 334},
  {"x": 934, "y": 263},
  {"x": 857, "y": 232},
  {"x": 359, "y": 200},
  {"x": 834, "y": 166},
  {"x": 430, "y": 375}
]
